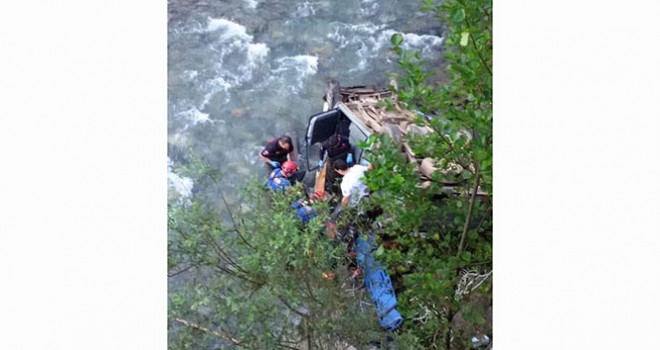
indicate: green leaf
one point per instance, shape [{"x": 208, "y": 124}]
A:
[
  {"x": 458, "y": 16},
  {"x": 466, "y": 256},
  {"x": 379, "y": 251},
  {"x": 464, "y": 38},
  {"x": 397, "y": 39}
]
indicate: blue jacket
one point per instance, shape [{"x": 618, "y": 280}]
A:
[
  {"x": 277, "y": 181},
  {"x": 378, "y": 284},
  {"x": 303, "y": 210}
]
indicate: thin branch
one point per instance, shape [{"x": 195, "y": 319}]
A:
[
  {"x": 481, "y": 59},
  {"x": 319, "y": 343},
  {"x": 480, "y": 263},
  {"x": 473, "y": 198},
  {"x": 309, "y": 334},
  {"x": 289, "y": 341},
  {"x": 443, "y": 137},
  {"x": 180, "y": 272},
  {"x": 309, "y": 291},
  {"x": 434, "y": 339},
  {"x": 300, "y": 313},
  {"x": 451, "y": 147},
  {"x": 281, "y": 342},
  {"x": 224, "y": 200},
  {"x": 240, "y": 235},
  {"x": 239, "y": 275},
  {"x": 227, "y": 271},
  {"x": 450, "y": 318},
  {"x": 484, "y": 218},
  {"x": 231, "y": 215},
  {"x": 206, "y": 330},
  {"x": 474, "y": 43},
  {"x": 222, "y": 254}
]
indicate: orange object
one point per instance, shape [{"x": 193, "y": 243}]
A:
[{"x": 319, "y": 187}]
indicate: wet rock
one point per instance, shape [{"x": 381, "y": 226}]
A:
[
  {"x": 241, "y": 169},
  {"x": 278, "y": 34},
  {"x": 386, "y": 18},
  {"x": 238, "y": 112},
  {"x": 323, "y": 51}
]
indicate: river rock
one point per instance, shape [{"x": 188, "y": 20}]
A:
[
  {"x": 323, "y": 51},
  {"x": 238, "y": 112}
]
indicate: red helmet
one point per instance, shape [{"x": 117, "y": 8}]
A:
[{"x": 289, "y": 166}]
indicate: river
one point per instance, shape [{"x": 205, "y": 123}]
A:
[{"x": 242, "y": 72}]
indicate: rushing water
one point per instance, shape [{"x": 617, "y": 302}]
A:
[{"x": 243, "y": 71}]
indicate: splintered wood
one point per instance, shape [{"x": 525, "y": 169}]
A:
[
  {"x": 365, "y": 103},
  {"x": 368, "y": 105}
]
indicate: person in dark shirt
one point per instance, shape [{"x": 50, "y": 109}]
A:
[
  {"x": 336, "y": 147},
  {"x": 277, "y": 151}
]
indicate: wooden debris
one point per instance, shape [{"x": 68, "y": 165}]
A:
[
  {"x": 365, "y": 103},
  {"x": 428, "y": 167}
]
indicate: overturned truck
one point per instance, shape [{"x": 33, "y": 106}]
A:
[{"x": 357, "y": 112}]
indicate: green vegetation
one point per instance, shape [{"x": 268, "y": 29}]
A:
[
  {"x": 440, "y": 242},
  {"x": 250, "y": 275},
  {"x": 256, "y": 282}
]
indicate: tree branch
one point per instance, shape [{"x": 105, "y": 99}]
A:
[
  {"x": 180, "y": 272},
  {"x": 222, "y": 254},
  {"x": 238, "y": 275},
  {"x": 473, "y": 198},
  {"x": 206, "y": 330},
  {"x": 300, "y": 313},
  {"x": 231, "y": 215},
  {"x": 309, "y": 291},
  {"x": 309, "y": 334},
  {"x": 474, "y": 43}
]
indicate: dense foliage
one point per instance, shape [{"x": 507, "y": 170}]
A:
[
  {"x": 249, "y": 275},
  {"x": 256, "y": 281},
  {"x": 440, "y": 240}
]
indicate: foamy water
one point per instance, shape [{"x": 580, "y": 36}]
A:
[
  {"x": 230, "y": 29},
  {"x": 252, "y": 4},
  {"x": 427, "y": 44},
  {"x": 193, "y": 117},
  {"x": 256, "y": 54},
  {"x": 244, "y": 72},
  {"x": 305, "y": 9},
  {"x": 180, "y": 184}
]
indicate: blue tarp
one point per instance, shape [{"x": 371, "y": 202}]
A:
[
  {"x": 303, "y": 210},
  {"x": 378, "y": 284}
]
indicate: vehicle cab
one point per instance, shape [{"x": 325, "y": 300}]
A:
[{"x": 337, "y": 120}]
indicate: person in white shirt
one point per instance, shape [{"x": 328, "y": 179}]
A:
[{"x": 352, "y": 186}]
